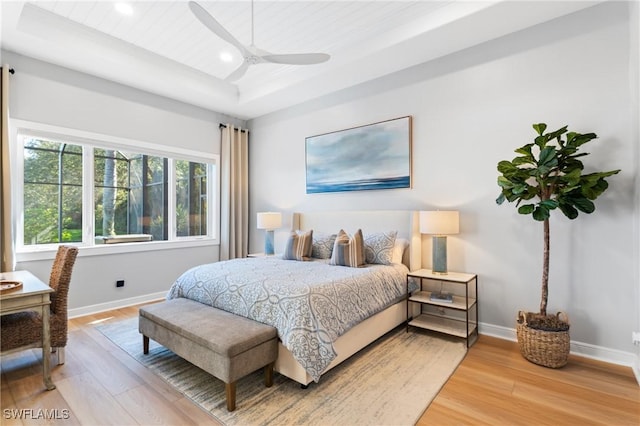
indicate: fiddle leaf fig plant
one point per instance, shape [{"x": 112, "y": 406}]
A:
[{"x": 547, "y": 175}]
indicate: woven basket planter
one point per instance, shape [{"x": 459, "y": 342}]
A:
[{"x": 546, "y": 348}]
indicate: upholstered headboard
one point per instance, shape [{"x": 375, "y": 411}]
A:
[{"x": 403, "y": 221}]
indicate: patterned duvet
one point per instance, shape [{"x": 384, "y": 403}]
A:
[{"x": 311, "y": 304}]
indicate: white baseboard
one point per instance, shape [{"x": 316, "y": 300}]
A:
[
  {"x": 586, "y": 350},
  {"x": 115, "y": 304}
]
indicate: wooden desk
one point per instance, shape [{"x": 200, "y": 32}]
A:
[{"x": 32, "y": 296}]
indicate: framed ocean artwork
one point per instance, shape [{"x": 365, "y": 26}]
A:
[{"x": 374, "y": 156}]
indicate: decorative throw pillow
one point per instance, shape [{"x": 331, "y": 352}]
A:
[
  {"x": 322, "y": 245},
  {"x": 399, "y": 248},
  {"x": 378, "y": 247},
  {"x": 348, "y": 251},
  {"x": 298, "y": 246}
]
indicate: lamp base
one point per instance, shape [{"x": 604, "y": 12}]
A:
[
  {"x": 268, "y": 243},
  {"x": 439, "y": 255}
]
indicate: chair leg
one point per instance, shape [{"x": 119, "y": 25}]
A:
[
  {"x": 60, "y": 354},
  {"x": 230, "y": 389}
]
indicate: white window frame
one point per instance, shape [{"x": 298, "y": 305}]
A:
[{"x": 90, "y": 140}]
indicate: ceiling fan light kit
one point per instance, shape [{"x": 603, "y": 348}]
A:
[{"x": 251, "y": 54}]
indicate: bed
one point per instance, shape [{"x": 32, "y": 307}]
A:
[{"x": 323, "y": 313}]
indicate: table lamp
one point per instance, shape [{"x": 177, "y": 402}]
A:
[
  {"x": 269, "y": 221},
  {"x": 439, "y": 224}
]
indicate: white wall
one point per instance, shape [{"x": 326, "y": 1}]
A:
[
  {"x": 634, "y": 52},
  {"x": 45, "y": 93},
  {"x": 470, "y": 110}
]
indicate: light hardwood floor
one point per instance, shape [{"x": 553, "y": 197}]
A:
[{"x": 100, "y": 384}]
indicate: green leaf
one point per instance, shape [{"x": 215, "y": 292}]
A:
[
  {"x": 521, "y": 161},
  {"x": 520, "y": 188},
  {"x": 541, "y": 141},
  {"x": 549, "y": 204},
  {"x": 540, "y": 128},
  {"x": 556, "y": 134},
  {"x": 584, "y": 205},
  {"x": 511, "y": 197},
  {"x": 572, "y": 177},
  {"x": 581, "y": 139},
  {"x": 541, "y": 213},
  {"x": 504, "y": 182},
  {"x": 570, "y": 137},
  {"x": 525, "y": 150},
  {"x": 548, "y": 157},
  {"x": 526, "y": 209},
  {"x": 594, "y": 191},
  {"x": 569, "y": 211},
  {"x": 500, "y": 199},
  {"x": 506, "y": 167}
]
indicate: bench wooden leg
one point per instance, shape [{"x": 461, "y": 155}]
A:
[
  {"x": 145, "y": 344},
  {"x": 230, "y": 389},
  {"x": 268, "y": 375}
]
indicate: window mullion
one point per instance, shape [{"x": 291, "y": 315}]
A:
[
  {"x": 88, "y": 193},
  {"x": 19, "y": 192},
  {"x": 171, "y": 207}
]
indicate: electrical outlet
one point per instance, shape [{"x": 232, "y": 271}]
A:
[
  {"x": 635, "y": 337},
  {"x": 120, "y": 283}
]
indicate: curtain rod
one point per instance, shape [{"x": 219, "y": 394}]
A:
[
  {"x": 11, "y": 70},
  {"x": 225, "y": 126}
]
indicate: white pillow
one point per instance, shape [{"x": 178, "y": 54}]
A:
[{"x": 399, "y": 248}]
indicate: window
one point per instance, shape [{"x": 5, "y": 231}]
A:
[
  {"x": 87, "y": 193},
  {"x": 52, "y": 192},
  {"x": 130, "y": 194},
  {"x": 191, "y": 198}
]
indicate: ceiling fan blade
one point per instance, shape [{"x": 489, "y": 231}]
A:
[
  {"x": 210, "y": 22},
  {"x": 239, "y": 72},
  {"x": 297, "y": 58}
]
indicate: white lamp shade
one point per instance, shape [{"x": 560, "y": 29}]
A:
[
  {"x": 269, "y": 220},
  {"x": 440, "y": 222}
]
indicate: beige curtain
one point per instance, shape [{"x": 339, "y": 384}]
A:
[
  {"x": 234, "y": 193},
  {"x": 7, "y": 251}
]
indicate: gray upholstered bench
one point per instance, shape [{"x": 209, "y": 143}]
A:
[{"x": 225, "y": 345}]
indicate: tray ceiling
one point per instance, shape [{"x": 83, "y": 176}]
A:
[{"x": 162, "y": 48}]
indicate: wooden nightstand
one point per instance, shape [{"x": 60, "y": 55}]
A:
[{"x": 457, "y": 315}]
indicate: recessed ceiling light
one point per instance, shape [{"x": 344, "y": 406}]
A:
[
  {"x": 124, "y": 8},
  {"x": 226, "y": 57}
]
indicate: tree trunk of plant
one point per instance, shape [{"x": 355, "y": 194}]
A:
[{"x": 545, "y": 270}]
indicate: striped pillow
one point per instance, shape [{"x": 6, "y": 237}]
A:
[
  {"x": 298, "y": 246},
  {"x": 348, "y": 251}
]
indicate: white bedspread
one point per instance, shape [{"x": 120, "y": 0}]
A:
[{"x": 311, "y": 304}]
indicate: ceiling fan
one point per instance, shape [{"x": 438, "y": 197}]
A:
[{"x": 253, "y": 55}]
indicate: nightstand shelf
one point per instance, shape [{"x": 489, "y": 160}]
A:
[
  {"x": 457, "y": 303},
  {"x": 457, "y": 317},
  {"x": 445, "y": 325}
]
